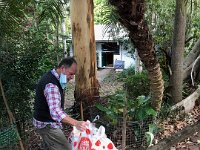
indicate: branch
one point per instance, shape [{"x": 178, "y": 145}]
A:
[
  {"x": 11, "y": 117},
  {"x": 190, "y": 38},
  {"x": 194, "y": 53},
  {"x": 193, "y": 69},
  {"x": 189, "y": 102}
]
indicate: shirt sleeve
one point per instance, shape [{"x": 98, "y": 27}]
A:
[{"x": 53, "y": 98}]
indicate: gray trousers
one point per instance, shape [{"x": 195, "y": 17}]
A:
[{"x": 54, "y": 139}]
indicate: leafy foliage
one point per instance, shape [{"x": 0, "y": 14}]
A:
[
  {"x": 103, "y": 13},
  {"x": 138, "y": 109},
  {"x": 160, "y": 17},
  {"x": 19, "y": 68},
  {"x": 27, "y": 50},
  {"x": 12, "y": 16},
  {"x": 138, "y": 106},
  {"x": 50, "y": 10},
  {"x": 137, "y": 85},
  {"x": 126, "y": 73}
]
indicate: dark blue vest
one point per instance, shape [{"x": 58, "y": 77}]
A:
[{"x": 41, "y": 108}]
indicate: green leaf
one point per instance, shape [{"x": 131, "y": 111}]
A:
[
  {"x": 153, "y": 128},
  {"x": 101, "y": 107},
  {"x": 140, "y": 114},
  {"x": 141, "y": 100},
  {"x": 150, "y": 111}
]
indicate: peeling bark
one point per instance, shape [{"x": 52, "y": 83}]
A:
[{"x": 87, "y": 87}]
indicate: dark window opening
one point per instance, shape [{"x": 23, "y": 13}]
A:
[{"x": 111, "y": 47}]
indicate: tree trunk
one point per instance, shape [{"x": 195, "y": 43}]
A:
[
  {"x": 63, "y": 28},
  {"x": 138, "y": 63},
  {"x": 86, "y": 89},
  {"x": 131, "y": 15},
  {"x": 187, "y": 65},
  {"x": 198, "y": 73},
  {"x": 176, "y": 79}
]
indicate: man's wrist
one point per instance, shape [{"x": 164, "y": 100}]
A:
[
  {"x": 69, "y": 120},
  {"x": 74, "y": 122}
]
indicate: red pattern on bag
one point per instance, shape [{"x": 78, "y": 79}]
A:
[
  {"x": 91, "y": 139},
  {"x": 98, "y": 143},
  {"x": 88, "y": 131},
  {"x": 110, "y": 146},
  {"x": 75, "y": 143},
  {"x": 85, "y": 144}
]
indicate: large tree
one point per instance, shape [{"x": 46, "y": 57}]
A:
[
  {"x": 82, "y": 21},
  {"x": 178, "y": 51},
  {"x": 131, "y": 15}
]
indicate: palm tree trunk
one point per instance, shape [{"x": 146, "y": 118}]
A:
[
  {"x": 138, "y": 63},
  {"x": 131, "y": 15}
]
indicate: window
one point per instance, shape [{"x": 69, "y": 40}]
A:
[{"x": 111, "y": 47}]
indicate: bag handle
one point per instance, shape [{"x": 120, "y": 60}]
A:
[{"x": 96, "y": 118}]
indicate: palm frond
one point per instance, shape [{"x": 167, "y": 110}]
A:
[{"x": 51, "y": 9}]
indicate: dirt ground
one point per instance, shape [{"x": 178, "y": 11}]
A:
[
  {"x": 171, "y": 127},
  {"x": 107, "y": 81}
]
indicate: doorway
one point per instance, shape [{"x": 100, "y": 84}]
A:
[
  {"x": 107, "y": 59},
  {"x": 109, "y": 49}
]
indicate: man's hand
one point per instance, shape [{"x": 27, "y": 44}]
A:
[{"x": 81, "y": 125}]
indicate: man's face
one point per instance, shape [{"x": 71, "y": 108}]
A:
[{"x": 70, "y": 72}]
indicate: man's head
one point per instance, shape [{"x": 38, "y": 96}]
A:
[{"x": 68, "y": 67}]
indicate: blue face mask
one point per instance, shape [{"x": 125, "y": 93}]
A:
[{"x": 63, "y": 80}]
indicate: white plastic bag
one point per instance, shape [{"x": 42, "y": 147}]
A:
[{"x": 91, "y": 139}]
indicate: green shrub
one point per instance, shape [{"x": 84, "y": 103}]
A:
[
  {"x": 137, "y": 85},
  {"x": 126, "y": 73},
  {"x": 138, "y": 109},
  {"x": 20, "y": 70}
]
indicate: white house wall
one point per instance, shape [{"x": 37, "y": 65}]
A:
[{"x": 126, "y": 57}]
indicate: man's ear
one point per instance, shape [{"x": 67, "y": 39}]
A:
[{"x": 62, "y": 67}]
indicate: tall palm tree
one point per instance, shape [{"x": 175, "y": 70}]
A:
[{"x": 131, "y": 15}]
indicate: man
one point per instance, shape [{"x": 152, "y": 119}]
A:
[{"x": 49, "y": 106}]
